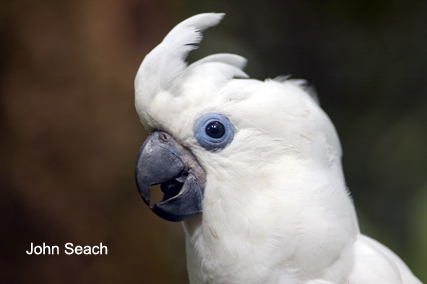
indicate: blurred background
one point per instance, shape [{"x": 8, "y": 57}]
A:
[{"x": 70, "y": 134}]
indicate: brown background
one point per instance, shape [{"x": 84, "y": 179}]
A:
[{"x": 70, "y": 134}]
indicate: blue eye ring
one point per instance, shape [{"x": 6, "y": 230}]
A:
[{"x": 213, "y": 131}]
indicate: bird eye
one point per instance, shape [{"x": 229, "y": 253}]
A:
[{"x": 213, "y": 131}]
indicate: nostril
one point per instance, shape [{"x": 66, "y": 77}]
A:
[{"x": 163, "y": 137}]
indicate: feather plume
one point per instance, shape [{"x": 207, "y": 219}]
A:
[{"x": 163, "y": 67}]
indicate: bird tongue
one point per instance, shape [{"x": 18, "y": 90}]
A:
[{"x": 172, "y": 187}]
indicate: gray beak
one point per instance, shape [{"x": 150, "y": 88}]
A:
[{"x": 162, "y": 160}]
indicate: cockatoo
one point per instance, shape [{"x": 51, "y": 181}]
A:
[{"x": 253, "y": 171}]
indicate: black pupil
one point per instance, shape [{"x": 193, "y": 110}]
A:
[{"x": 215, "y": 129}]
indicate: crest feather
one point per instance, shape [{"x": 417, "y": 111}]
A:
[{"x": 163, "y": 67}]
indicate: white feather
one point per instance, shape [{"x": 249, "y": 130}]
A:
[{"x": 276, "y": 208}]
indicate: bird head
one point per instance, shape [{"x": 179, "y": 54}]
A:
[{"x": 216, "y": 135}]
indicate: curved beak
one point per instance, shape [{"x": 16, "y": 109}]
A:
[{"x": 162, "y": 160}]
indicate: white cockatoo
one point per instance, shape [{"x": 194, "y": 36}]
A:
[{"x": 252, "y": 169}]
